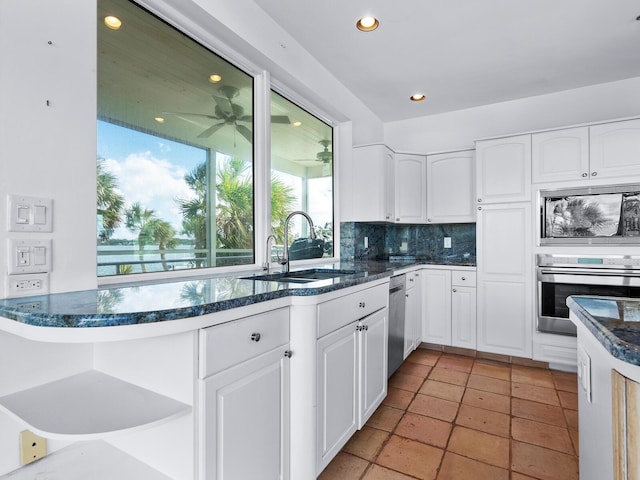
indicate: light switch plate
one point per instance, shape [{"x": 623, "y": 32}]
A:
[
  {"x": 29, "y": 214},
  {"x": 29, "y": 256}
]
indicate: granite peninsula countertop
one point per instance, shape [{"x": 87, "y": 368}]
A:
[
  {"x": 162, "y": 301},
  {"x": 613, "y": 321}
]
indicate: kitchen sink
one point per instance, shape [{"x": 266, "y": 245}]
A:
[{"x": 302, "y": 276}]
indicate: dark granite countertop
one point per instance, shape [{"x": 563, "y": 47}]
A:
[
  {"x": 149, "y": 302},
  {"x": 614, "y": 322}
]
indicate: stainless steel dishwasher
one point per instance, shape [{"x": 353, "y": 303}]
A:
[{"x": 396, "y": 322}]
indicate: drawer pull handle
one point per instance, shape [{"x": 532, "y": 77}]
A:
[
  {"x": 288, "y": 353},
  {"x": 464, "y": 278},
  {"x": 362, "y": 304},
  {"x": 454, "y": 290},
  {"x": 255, "y": 337}
]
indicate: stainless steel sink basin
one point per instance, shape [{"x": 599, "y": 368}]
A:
[{"x": 302, "y": 276}]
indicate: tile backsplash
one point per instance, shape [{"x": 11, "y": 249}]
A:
[{"x": 423, "y": 242}]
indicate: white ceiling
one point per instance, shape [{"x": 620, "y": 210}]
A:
[{"x": 464, "y": 53}]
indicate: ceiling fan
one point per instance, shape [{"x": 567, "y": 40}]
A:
[
  {"x": 228, "y": 113},
  {"x": 325, "y": 156}
]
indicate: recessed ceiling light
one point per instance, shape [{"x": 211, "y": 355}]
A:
[
  {"x": 296, "y": 123},
  {"x": 215, "y": 78},
  {"x": 159, "y": 119},
  {"x": 367, "y": 24},
  {"x": 114, "y": 23},
  {"x": 417, "y": 97}
]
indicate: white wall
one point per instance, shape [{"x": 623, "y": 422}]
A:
[{"x": 458, "y": 130}]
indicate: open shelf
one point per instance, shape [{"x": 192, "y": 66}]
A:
[
  {"x": 95, "y": 459},
  {"x": 90, "y": 405}
]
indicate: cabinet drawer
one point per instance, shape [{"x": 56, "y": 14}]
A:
[
  {"x": 223, "y": 346},
  {"x": 463, "y": 278},
  {"x": 341, "y": 311}
]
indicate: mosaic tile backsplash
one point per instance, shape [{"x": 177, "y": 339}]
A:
[{"x": 398, "y": 242}]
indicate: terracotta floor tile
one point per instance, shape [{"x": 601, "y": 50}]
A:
[
  {"x": 535, "y": 393},
  {"x": 447, "y": 375},
  {"x": 385, "y": 418},
  {"x": 456, "y": 362},
  {"x": 423, "y": 356},
  {"x": 572, "y": 419},
  {"x": 519, "y": 476},
  {"x": 366, "y": 443},
  {"x": 538, "y": 412},
  {"x": 532, "y": 376},
  {"x": 456, "y": 467},
  {"x": 376, "y": 472},
  {"x": 565, "y": 381},
  {"x": 415, "y": 369},
  {"x": 542, "y": 463},
  {"x": 398, "y": 398},
  {"x": 541, "y": 434},
  {"x": 424, "y": 429},
  {"x": 344, "y": 467},
  {"x": 406, "y": 382},
  {"x": 568, "y": 400},
  {"x": 575, "y": 439},
  {"x": 480, "y": 446},
  {"x": 434, "y": 407},
  {"x": 489, "y": 384},
  {"x": 487, "y": 369},
  {"x": 411, "y": 458},
  {"x": 447, "y": 391},
  {"x": 487, "y": 400},
  {"x": 484, "y": 420}
]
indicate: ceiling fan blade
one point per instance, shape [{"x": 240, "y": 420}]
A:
[
  {"x": 211, "y": 130},
  {"x": 187, "y": 114},
  {"x": 280, "y": 119},
  {"x": 245, "y": 132},
  {"x": 224, "y": 104}
]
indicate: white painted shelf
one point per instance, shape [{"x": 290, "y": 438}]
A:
[
  {"x": 95, "y": 460},
  {"x": 90, "y": 405}
]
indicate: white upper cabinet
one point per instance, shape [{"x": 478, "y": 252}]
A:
[
  {"x": 451, "y": 187},
  {"x": 410, "y": 188},
  {"x": 560, "y": 155},
  {"x": 373, "y": 184},
  {"x": 615, "y": 149},
  {"x": 504, "y": 170}
]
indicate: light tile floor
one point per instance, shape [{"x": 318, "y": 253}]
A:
[{"x": 451, "y": 417}]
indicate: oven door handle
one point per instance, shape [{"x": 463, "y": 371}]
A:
[{"x": 601, "y": 272}]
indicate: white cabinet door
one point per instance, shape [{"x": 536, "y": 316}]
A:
[
  {"x": 463, "y": 317},
  {"x": 615, "y": 149},
  {"x": 411, "y": 320},
  {"x": 504, "y": 170},
  {"x": 505, "y": 280},
  {"x": 410, "y": 188},
  {"x": 337, "y": 392},
  {"x": 451, "y": 187},
  {"x": 436, "y": 307},
  {"x": 373, "y": 363},
  {"x": 560, "y": 155},
  {"x": 372, "y": 184},
  {"x": 245, "y": 424}
]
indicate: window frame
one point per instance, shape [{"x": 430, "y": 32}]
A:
[{"x": 263, "y": 84}]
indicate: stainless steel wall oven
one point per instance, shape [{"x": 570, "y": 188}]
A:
[{"x": 562, "y": 275}]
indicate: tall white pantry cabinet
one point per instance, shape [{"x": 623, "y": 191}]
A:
[{"x": 504, "y": 257}]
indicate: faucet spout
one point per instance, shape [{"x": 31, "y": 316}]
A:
[
  {"x": 270, "y": 239},
  {"x": 285, "y": 257}
]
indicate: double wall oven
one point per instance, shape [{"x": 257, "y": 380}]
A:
[{"x": 559, "y": 276}]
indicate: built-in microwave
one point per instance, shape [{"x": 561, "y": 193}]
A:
[{"x": 590, "y": 215}]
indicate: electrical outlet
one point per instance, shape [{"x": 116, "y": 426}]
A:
[
  {"x": 447, "y": 242},
  {"x": 27, "y": 284},
  {"x": 32, "y": 447}
]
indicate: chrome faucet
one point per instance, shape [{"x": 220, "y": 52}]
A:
[
  {"x": 265, "y": 265},
  {"x": 285, "y": 257}
]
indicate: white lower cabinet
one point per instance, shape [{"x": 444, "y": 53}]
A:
[
  {"x": 244, "y": 417},
  {"x": 449, "y": 307},
  {"x": 351, "y": 381},
  {"x": 413, "y": 313}
]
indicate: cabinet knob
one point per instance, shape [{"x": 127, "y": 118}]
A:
[
  {"x": 584, "y": 174},
  {"x": 479, "y": 200},
  {"x": 288, "y": 353},
  {"x": 397, "y": 219},
  {"x": 366, "y": 327},
  {"x": 255, "y": 337},
  {"x": 428, "y": 219},
  {"x": 593, "y": 174},
  {"x": 406, "y": 295},
  {"x": 362, "y": 305},
  {"x": 411, "y": 279},
  {"x": 454, "y": 290},
  {"x": 387, "y": 217},
  {"x": 464, "y": 278},
  {"x": 479, "y": 208}
]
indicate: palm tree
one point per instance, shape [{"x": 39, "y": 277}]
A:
[
  {"x": 165, "y": 236},
  {"x": 194, "y": 211},
  {"x": 109, "y": 201},
  {"x": 138, "y": 219}
]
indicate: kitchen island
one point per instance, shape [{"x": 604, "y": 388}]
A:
[{"x": 608, "y": 385}]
